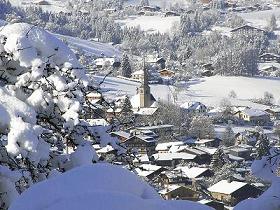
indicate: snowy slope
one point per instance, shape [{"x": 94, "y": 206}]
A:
[
  {"x": 151, "y": 24},
  {"x": 161, "y": 3},
  {"x": 90, "y": 47}
]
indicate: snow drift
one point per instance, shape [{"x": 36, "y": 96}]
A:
[{"x": 100, "y": 186}]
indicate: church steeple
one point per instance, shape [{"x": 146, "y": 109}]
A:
[{"x": 144, "y": 91}]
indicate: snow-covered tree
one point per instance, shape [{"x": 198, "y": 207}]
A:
[
  {"x": 202, "y": 127},
  {"x": 219, "y": 159},
  {"x": 126, "y": 67},
  {"x": 268, "y": 98},
  {"x": 144, "y": 3},
  {"x": 232, "y": 94},
  {"x": 262, "y": 145},
  {"x": 228, "y": 136},
  {"x": 42, "y": 95},
  {"x": 272, "y": 25}
]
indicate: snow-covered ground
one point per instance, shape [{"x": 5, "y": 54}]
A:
[
  {"x": 54, "y": 5},
  {"x": 164, "y": 4},
  {"x": 261, "y": 18},
  {"x": 151, "y": 24},
  {"x": 90, "y": 47},
  {"x": 117, "y": 87},
  {"x": 211, "y": 90}
]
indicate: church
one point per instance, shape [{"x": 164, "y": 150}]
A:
[{"x": 143, "y": 97}]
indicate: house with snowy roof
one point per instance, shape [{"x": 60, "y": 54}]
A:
[
  {"x": 274, "y": 113},
  {"x": 179, "y": 192},
  {"x": 172, "y": 159},
  {"x": 155, "y": 60},
  {"x": 101, "y": 62},
  {"x": 194, "y": 107},
  {"x": 254, "y": 116},
  {"x": 194, "y": 172},
  {"x": 270, "y": 57},
  {"x": 248, "y": 29},
  {"x": 232, "y": 192}
]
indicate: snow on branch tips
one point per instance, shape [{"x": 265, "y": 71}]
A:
[{"x": 42, "y": 98}]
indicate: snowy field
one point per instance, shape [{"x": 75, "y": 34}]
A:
[
  {"x": 151, "y": 24},
  {"x": 118, "y": 87},
  {"x": 210, "y": 90},
  {"x": 261, "y": 18}
]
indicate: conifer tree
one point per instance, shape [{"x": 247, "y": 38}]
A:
[{"x": 126, "y": 68}]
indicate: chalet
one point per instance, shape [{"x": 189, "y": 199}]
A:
[
  {"x": 246, "y": 137},
  {"x": 138, "y": 75},
  {"x": 214, "y": 204},
  {"x": 141, "y": 143},
  {"x": 274, "y": 113},
  {"x": 145, "y": 112},
  {"x": 202, "y": 156},
  {"x": 161, "y": 130},
  {"x": 149, "y": 171},
  {"x": 247, "y": 29},
  {"x": 172, "y": 177},
  {"x": 155, "y": 60},
  {"x": 179, "y": 192},
  {"x": 112, "y": 113},
  {"x": 166, "y": 73},
  {"x": 269, "y": 57},
  {"x": 172, "y": 159},
  {"x": 165, "y": 147},
  {"x": 194, "y": 107},
  {"x": 254, "y": 116},
  {"x": 171, "y": 13},
  {"x": 110, "y": 10},
  {"x": 151, "y": 9},
  {"x": 241, "y": 152},
  {"x": 101, "y": 62},
  {"x": 207, "y": 73},
  {"x": 215, "y": 142},
  {"x": 121, "y": 135},
  {"x": 269, "y": 69},
  {"x": 42, "y": 2},
  {"x": 194, "y": 172},
  {"x": 232, "y": 192}
]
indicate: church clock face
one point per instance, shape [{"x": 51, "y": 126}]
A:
[{"x": 141, "y": 91}]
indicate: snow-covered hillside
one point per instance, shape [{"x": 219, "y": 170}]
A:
[
  {"x": 151, "y": 24},
  {"x": 90, "y": 47},
  {"x": 53, "y": 5}
]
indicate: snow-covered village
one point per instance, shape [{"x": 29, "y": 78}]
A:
[{"x": 140, "y": 104}]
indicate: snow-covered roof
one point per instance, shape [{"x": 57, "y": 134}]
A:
[
  {"x": 166, "y": 146},
  {"x": 254, "y": 112},
  {"x": 173, "y": 156},
  {"x": 103, "y": 61},
  {"x": 139, "y": 72},
  {"x": 193, "y": 105},
  {"x": 153, "y": 127},
  {"x": 226, "y": 187},
  {"x": 135, "y": 101},
  {"x": 209, "y": 150},
  {"x": 235, "y": 158},
  {"x": 145, "y": 110},
  {"x": 106, "y": 149},
  {"x": 100, "y": 121},
  {"x": 265, "y": 66},
  {"x": 121, "y": 134},
  {"x": 272, "y": 54},
  {"x": 150, "y": 167},
  {"x": 169, "y": 189},
  {"x": 193, "y": 172}
]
